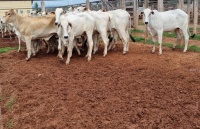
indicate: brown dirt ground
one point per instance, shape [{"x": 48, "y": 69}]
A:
[{"x": 139, "y": 90}]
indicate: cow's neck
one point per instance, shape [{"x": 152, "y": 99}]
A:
[{"x": 18, "y": 22}]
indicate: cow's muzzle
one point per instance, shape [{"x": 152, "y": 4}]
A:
[
  {"x": 56, "y": 23},
  {"x": 146, "y": 23},
  {"x": 65, "y": 37},
  {"x": 1, "y": 21}
]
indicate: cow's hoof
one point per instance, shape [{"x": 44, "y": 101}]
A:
[
  {"x": 67, "y": 62},
  {"x": 184, "y": 51},
  {"x": 79, "y": 53},
  {"x": 27, "y": 59},
  {"x": 159, "y": 54},
  {"x": 173, "y": 48},
  {"x": 89, "y": 59},
  {"x": 124, "y": 52},
  {"x": 18, "y": 50}
]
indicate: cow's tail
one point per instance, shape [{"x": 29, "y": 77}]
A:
[
  {"x": 129, "y": 30},
  {"x": 191, "y": 35}
]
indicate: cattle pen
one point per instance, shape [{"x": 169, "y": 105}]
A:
[{"x": 136, "y": 90}]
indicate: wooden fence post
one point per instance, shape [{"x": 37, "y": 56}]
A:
[
  {"x": 135, "y": 14},
  {"x": 160, "y": 6},
  {"x": 195, "y": 16},
  {"x": 87, "y": 4},
  {"x": 188, "y": 9},
  {"x": 43, "y": 6},
  {"x": 122, "y": 4},
  {"x": 146, "y": 5},
  {"x": 180, "y": 4},
  {"x": 104, "y": 6}
]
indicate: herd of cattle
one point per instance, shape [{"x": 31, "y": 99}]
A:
[{"x": 63, "y": 29}]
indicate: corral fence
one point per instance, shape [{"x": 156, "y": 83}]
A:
[{"x": 136, "y": 7}]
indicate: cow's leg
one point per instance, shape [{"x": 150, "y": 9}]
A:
[
  {"x": 127, "y": 36},
  {"x": 113, "y": 43},
  {"x": 19, "y": 41},
  {"x": 28, "y": 46},
  {"x": 34, "y": 45},
  {"x": 105, "y": 41},
  {"x": 154, "y": 43},
  {"x": 69, "y": 50},
  {"x": 123, "y": 36},
  {"x": 90, "y": 44},
  {"x": 95, "y": 39},
  {"x": 2, "y": 33},
  {"x": 76, "y": 47},
  {"x": 10, "y": 34},
  {"x": 61, "y": 49},
  {"x": 37, "y": 47},
  {"x": 160, "y": 33},
  {"x": 178, "y": 40},
  {"x": 186, "y": 36},
  {"x": 48, "y": 46}
]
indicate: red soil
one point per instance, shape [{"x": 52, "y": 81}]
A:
[{"x": 139, "y": 90}]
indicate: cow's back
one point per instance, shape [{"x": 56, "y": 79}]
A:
[
  {"x": 33, "y": 25},
  {"x": 169, "y": 20},
  {"x": 119, "y": 17},
  {"x": 81, "y": 22}
]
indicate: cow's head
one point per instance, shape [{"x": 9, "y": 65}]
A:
[
  {"x": 9, "y": 17},
  {"x": 146, "y": 15},
  {"x": 66, "y": 26},
  {"x": 58, "y": 13},
  {"x": 81, "y": 9},
  {"x": 71, "y": 9}
]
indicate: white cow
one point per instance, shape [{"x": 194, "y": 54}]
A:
[
  {"x": 61, "y": 40},
  {"x": 120, "y": 22},
  {"x": 75, "y": 25},
  {"x": 102, "y": 26},
  {"x": 159, "y": 22},
  {"x": 1, "y": 27}
]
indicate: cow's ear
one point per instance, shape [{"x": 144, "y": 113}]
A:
[
  {"x": 152, "y": 12},
  {"x": 72, "y": 8},
  {"x": 12, "y": 12},
  {"x": 64, "y": 11},
  {"x": 85, "y": 9},
  {"x": 70, "y": 25}
]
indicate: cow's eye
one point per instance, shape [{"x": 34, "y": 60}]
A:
[{"x": 8, "y": 14}]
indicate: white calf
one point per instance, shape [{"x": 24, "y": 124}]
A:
[
  {"x": 76, "y": 25},
  {"x": 102, "y": 26},
  {"x": 120, "y": 23},
  {"x": 173, "y": 20},
  {"x": 61, "y": 40}
]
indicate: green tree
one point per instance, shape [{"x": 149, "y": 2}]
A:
[{"x": 36, "y": 6}]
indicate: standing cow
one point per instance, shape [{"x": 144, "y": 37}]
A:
[
  {"x": 32, "y": 28},
  {"x": 173, "y": 20},
  {"x": 75, "y": 25}
]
